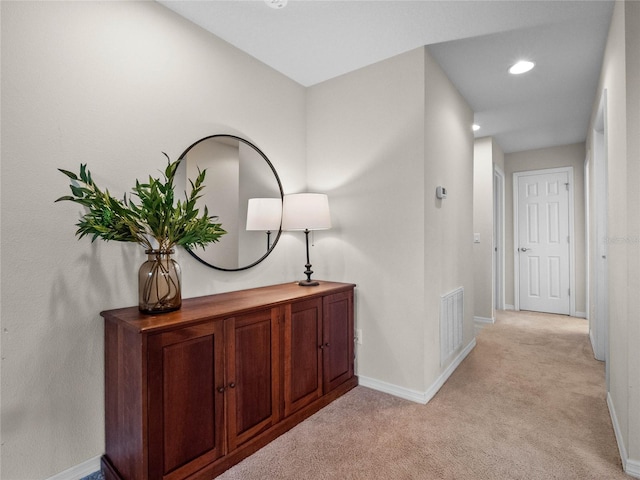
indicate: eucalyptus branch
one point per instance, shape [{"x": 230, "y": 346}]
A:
[{"x": 155, "y": 214}]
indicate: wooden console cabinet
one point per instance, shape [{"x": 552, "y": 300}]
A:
[{"x": 190, "y": 393}]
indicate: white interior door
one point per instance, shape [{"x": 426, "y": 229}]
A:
[{"x": 543, "y": 242}]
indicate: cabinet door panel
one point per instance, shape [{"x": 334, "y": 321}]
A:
[
  {"x": 185, "y": 409},
  {"x": 338, "y": 338},
  {"x": 252, "y": 372},
  {"x": 303, "y": 356}
]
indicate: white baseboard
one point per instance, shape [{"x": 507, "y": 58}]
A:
[
  {"x": 484, "y": 320},
  {"x": 79, "y": 471},
  {"x": 395, "y": 390},
  {"x": 581, "y": 314},
  {"x": 509, "y": 307},
  {"x": 593, "y": 343},
  {"x": 616, "y": 428},
  {"x": 415, "y": 395},
  {"x": 630, "y": 466}
]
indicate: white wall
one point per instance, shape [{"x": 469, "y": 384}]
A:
[
  {"x": 379, "y": 142},
  {"x": 563, "y": 156},
  {"x": 112, "y": 84},
  {"x": 448, "y": 254},
  {"x": 366, "y": 151},
  {"x": 632, "y": 34},
  {"x": 613, "y": 80},
  {"x": 620, "y": 79}
]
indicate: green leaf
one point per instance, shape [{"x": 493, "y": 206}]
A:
[
  {"x": 69, "y": 174},
  {"x": 77, "y": 191},
  {"x": 83, "y": 173}
]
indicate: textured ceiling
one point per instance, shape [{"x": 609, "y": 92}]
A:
[{"x": 474, "y": 41}]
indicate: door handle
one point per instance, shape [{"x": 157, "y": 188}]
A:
[{"x": 524, "y": 249}]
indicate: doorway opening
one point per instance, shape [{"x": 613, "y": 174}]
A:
[{"x": 599, "y": 310}]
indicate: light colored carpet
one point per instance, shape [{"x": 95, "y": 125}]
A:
[{"x": 527, "y": 403}]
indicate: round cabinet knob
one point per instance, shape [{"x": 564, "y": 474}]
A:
[
  {"x": 221, "y": 390},
  {"x": 232, "y": 385},
  {"x": 321, "y": 346},
  {"x": 326, "y": 345}
]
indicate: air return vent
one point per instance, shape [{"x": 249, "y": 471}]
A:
[{"x": 451, "y": 317}]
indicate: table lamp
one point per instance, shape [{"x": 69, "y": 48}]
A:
[{"x": 307, "y": 212}]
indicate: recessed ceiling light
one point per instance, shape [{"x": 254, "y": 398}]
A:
[
  {"x": 276, "y": 3},
  {"x": 475, "y": 127},
  {"x": 522, "y": 66}
]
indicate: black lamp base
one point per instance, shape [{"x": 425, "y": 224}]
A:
[{"x": 308, "y": 282}]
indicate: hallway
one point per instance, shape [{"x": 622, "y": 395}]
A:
[{"x": 527, "y": 403}]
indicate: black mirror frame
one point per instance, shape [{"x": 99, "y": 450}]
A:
[{"x": 275, "y": 174}]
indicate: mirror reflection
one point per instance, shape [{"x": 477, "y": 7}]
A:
[{"x": 237, "y": 172}]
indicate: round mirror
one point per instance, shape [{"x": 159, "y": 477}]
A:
[{"x": 244, "y": 191}]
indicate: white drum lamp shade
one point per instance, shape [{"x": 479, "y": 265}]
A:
[
  {"x": 264, "y": 214},
  {"x": 306, "y": 211}
]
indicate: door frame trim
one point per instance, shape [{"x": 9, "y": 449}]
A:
[
  {"x": 499, "y": 263},
  {"x": 599, "y": 324},
  {"x": 572, "y": 253},
  {"x": 588, "y": 174}
]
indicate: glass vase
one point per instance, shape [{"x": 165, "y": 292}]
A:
[{"x": 159, "y": 283}]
